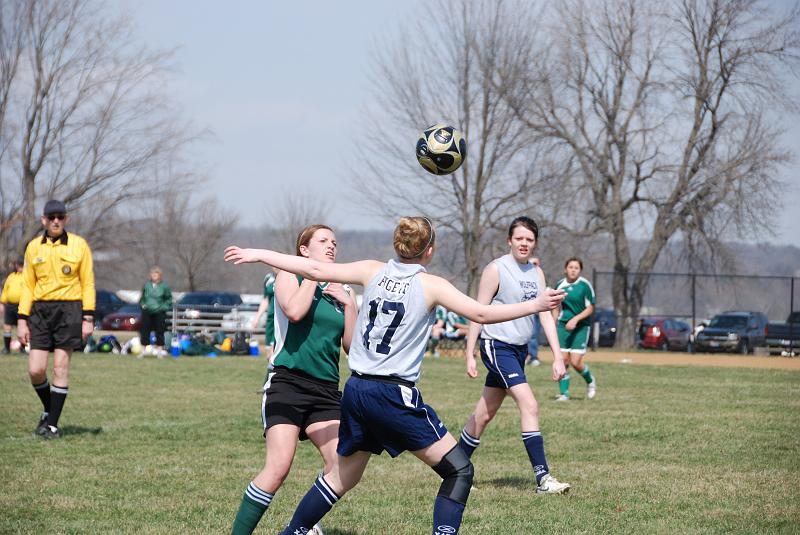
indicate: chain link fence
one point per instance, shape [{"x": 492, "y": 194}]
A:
[{"x": 697, "y": 297}]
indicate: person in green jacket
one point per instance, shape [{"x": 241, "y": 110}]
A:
[{"x": 156, "y": 301}]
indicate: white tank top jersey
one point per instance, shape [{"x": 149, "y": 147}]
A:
[
  {"x": 393, "y": 325},
  {"x": 518, "y": 283}
]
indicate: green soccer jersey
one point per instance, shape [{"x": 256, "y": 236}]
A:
[
  {"x": 312, "y": 344},
  {"x": 580, "y": 295},
  {"x": 269, "y": 291}
]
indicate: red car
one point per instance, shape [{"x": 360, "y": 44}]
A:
[
  {"x": 127, "y": 318},
  {"x": 665, "y": 334}
]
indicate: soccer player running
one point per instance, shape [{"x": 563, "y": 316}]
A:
[
  {"x": 575, "y": 325},
  {"x": 301, "y": 394},
  {"x": 56, "y": 310},
  {"x": 381, "y": 407},
  {"x": 504, "y": 347}
]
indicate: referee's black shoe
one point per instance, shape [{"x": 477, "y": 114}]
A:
[
  {"x": 41, "y": 427},
  {"x": 52, "y": 432}
]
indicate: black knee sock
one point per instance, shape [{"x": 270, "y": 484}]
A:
[
  {"x": 58, "y": 395},
  {"x": 43, "y": 391},
  {"x": 7, "y": 340}
]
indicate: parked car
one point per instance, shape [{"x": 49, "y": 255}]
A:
[
  {"x": 192, "y": 304},
  {"x": 784, "y": 337},
  {"x": 127, "y": 318},
  {"x": 666, "y": 334},
  {"x": 105, "y": 303},
  {"x": 606, "y": 321},
  {"x": 737, "y": 331}
]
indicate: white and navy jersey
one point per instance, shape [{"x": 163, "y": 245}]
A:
[
  {"x": 518, "y": 283},
  {"x": 393, "y": 325}
]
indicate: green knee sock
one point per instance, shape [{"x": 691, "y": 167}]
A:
[
  {"x": 254, "y": 504},
  {"x": 586, "y": 374},
  {"x": 563, "y": 385}
]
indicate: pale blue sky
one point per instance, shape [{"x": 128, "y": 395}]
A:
[{"x": 281, "y": 85}]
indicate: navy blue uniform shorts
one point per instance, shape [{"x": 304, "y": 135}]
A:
[
  {"x": 378, "y": 415},
  {"x": 504, "y": 362}
]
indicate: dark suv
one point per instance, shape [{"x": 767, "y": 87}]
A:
[
  {"x": 606, "y": 321},
  {"x": 105, "y": 303},
  {"x": 733, "y": 331},
  {"x": 193, "y": 304}
]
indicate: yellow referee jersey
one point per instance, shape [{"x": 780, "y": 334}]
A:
[
  {"x": 12, "y": 289},
  {"x": 59, "y": 270}
]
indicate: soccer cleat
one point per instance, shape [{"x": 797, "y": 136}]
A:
[
  {"x": 51, "y": 432},
  {"x": 550, "y": 485},
  {"x": 536, "y": 362},
  {"x": 591, "y": 389},
  {"x": 5, "y": 351},
  {"x": 41, "y": 427},
  {"x": 562, "y": 397},
  {"x": 316, "y": 530}
]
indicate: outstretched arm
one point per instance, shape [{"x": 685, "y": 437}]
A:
[
  {"x": 440, "y": 291},
  {"x": 352, "y": 273}
]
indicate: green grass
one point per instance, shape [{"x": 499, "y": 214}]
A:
[{"x": 168, "y": 446}]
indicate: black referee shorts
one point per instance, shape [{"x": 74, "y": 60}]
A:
[
  {"x": 299, "y": 400},
  {"x": 56, "y": 325},
  {"x": 10, "y": 314}
]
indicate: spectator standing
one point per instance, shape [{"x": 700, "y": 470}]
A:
[
  {"x": 12, "y": 291},
  {"x": 156, "y": 301},
  {"x": 56, "y": 309}
]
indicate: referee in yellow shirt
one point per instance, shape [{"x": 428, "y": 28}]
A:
[
  {"x": 12, "y": 291},
  {"x": 56, "y": 310}
]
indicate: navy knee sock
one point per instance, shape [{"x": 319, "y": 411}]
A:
[
  {"x": 447, "y": 516},
  {"x": 319, "y": 499},
  {"x": 468, "y": 443},
  {"x": 534, "y": 445}
]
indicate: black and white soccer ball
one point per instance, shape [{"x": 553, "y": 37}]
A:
[{"x": 441, "y": 149}]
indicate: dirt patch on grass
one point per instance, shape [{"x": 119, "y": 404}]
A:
[{"x": 661, "y": 358}]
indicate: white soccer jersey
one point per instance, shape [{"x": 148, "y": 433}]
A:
[
  {"x": 393, "y": 325},
  {"x": 518, "y": 283}
]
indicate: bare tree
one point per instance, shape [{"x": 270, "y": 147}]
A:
[
  {"x": 445, "y": 70},
  {"x": 83, "y": 115},
  {"x": 289, "y": 215},
  {"x": 667, "y": 112}
]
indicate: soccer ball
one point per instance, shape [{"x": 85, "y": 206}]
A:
[{"x": 441, "y": 149}]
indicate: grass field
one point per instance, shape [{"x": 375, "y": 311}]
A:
[{"x": 168, "y": 446}]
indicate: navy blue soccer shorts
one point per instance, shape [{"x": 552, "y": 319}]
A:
[
  {"x": 379, "y": 415},
  {"x": 504, "y": 362}
]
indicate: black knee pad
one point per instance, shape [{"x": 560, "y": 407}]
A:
[{"x": 456, "y": 471}]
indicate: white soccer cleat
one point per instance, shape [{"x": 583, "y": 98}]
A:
[
  {"x": 550, "y": 485},
  {"x": 591, "y": 389},
  {"x": 562, "y": 397},
  {"x": 316, "y": 530}
]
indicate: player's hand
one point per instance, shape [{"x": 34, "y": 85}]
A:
[
  {"x": 549, "y": 299},
  {"x": 559, "y": 370},
  {"x": 23, "y": 333},
  {"x": 237, "y": 255},
  {"x": 472, "y": 369},
  {"x": 87, "y": 328},
  {"x": 337, "y": 291},
  {"x": 571, "y": 324}
]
